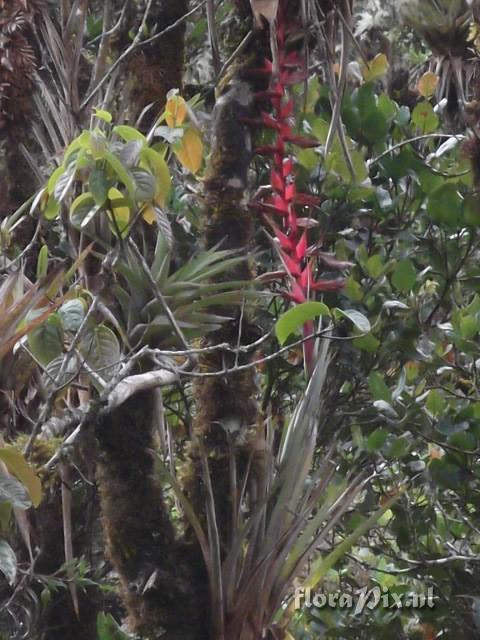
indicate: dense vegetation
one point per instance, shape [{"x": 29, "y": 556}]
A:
[{"x": 239, "y": 340}]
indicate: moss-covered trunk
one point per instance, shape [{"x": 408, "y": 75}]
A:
[
  {"x": 227, "y": 420},
  {"x": 162, "y": 578}
]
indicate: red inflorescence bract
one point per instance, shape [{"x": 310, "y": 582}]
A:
[{"x": 292, "y": 232}]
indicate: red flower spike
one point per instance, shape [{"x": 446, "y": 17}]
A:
[
  {"x": 252, "y": 122},
  {"x": 259, "y": 72},
  {"x": 306, "y": 277},
  {"x": 287, "y": 168},
  {"x": 293, "y": 77},
  {"x": 328, "y": 285},
  {"x": 292, "y": 221},
  {"x": 294, "y": 58},
  {"x": 291, "y": 265},
  {"x": 280, "y": 204},
  {"x": 296, "y": 294},
  {"x": 307, "y": 223},
  {"x": 290, "y": 191},
  {"x": 286, "y": 243},
  {"x": 301, "y": 248},
  {"x": 268, "y": 149},
  {"x": 265, "y": 207},
  {"x": 270, "y": 122},
  {"x": 302, "y": 142},
  {"x": 276, "y": 181},
  {"x": 331, "y": 262},
  {"x": 307, "y": 200},
  {"x": 271, "y": 276},
  {"x": 286, "y": 110},
  {"x": 269, "y": 94}
]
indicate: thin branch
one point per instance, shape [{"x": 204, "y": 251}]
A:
[
  {"x": 399, "y": 145},
  {"x": 136, "y": 45},
  {"x": 158, "y": 294}
]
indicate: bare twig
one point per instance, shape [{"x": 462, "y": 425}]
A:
[{"x": 136, "y": 44}]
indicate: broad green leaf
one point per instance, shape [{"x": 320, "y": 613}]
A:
[
  {"x": 145, "y": 183},
  {"x": 52, "y": 181},
  {"x": 376, "y": 440},
  {"x": 65, "y": 180},
  {"x": 378, "y": 388},
  {"x": 19, "y": 467},
  {"x": 375, "y": 266},
  {"x": 69, "y": 372},
  {"x": 8, "y": 562},
  {"x": 101, "y": 350},
  {"x": 129, "y": 133},
  {"x": 83, "y": 210},
  {"x": 404, "y": 276},
  {"x": 399, "y": 448},
  {"x": 159, "y": 168},
  {"x": 108, "y": 629},
  {"x": 353, "y": 289},
  {"x": 472, "y": 211},
  {"x": 435, "y": 402},
  {"x": 424, "y": 117},
  {"x": 296, "y": 317},
  {"x": 14, "y": 492},
  {"x": 368, "y": 343},
  {"x": 98, "y": 144},
  {"x": 358, "y": 319},
  {"x": 376, "y": 68},
  {"x": 98, "y": 185},
  {"x": 52, "y": 208},
  {"x": 445, "y": 205},
  {"x": 106, "y": 116},
  {"x": 46, "y": 341},
  {"x": 121, "y": 173},
  {"x": 72, "y": 314},
  {"x": 427, "y": 85}
]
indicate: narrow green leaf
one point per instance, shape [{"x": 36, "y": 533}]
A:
[{"x": 42, "y": 262}]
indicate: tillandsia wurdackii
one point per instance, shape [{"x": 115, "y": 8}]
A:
[{"x": 283, "y": 199}]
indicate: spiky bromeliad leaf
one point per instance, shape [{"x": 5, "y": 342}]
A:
[
  {"x": 193, "y": 299},
  {"x": 443, "y": 23}
]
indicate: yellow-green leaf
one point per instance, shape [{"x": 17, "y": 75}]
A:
[
  {"x": 19, "y": 467},
  {"x": 159, "y": 169},
  {"x": 175, "y": 111},
  {"x": 427, "y": 84},
  {"x": 190, "y": 150},
  {"x": 148, "y": 214},
  {"x": 376, "y": 68},
  {"x": 119, "y": 212},
  {"x": 106, "y": 116}
]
